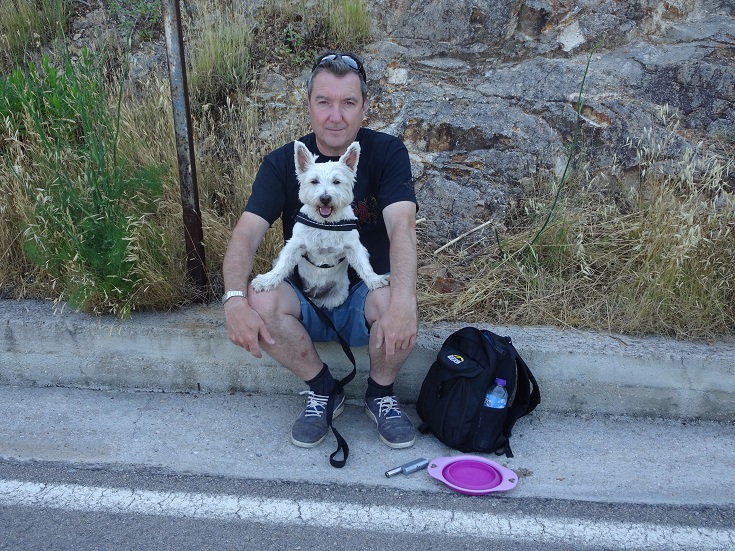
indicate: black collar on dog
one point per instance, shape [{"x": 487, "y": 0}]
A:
[
  {"x": 306, "y": 257},
  {"x": 347, "y": 225}
]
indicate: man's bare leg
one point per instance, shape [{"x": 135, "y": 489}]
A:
[
  {"x": 280, "y": 310},
  {"x": 381, "y": 405}
]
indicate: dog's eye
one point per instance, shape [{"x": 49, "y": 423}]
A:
[
  {"x": 336, "y": 182},
  {"x": 314, "y": 182}
]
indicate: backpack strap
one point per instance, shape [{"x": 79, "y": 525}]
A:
[
  {"x": 502, "y": 446},
  {"x": 535, "y": 398},
  {"x": 526, "y": 386},
  {"x": 338, "y": 386}
]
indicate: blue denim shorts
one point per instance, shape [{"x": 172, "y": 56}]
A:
[{"x": 348, "y": 318}]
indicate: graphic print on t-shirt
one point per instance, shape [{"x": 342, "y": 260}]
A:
[{"x": 366, "y": 210}]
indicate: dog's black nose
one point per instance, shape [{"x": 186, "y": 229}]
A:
[{"x": 325, "y": 199}]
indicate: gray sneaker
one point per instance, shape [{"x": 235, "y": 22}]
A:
[
  {"x": 311, "y": 427},
  {"x": 394, "y": 427}
]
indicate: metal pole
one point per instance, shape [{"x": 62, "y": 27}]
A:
[{"x": 195, "y": 264}]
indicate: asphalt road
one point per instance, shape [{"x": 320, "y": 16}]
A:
[
  {"x": 85, "y": 469},
  {"x": 64, "y": 506}
]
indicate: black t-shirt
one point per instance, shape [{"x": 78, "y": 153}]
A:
[{"x": 383, "y": 178}]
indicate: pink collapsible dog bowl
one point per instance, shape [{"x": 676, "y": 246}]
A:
[{"x": 471, "y": 474}]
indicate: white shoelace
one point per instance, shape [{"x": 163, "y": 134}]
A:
[
  {"x": 315, "y": 403},
  {"x": 388, "y": 407}
]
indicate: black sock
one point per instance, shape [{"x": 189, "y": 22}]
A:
[
  {"x": 374, "y": 390},
  {"x": 323, "y": 383}
]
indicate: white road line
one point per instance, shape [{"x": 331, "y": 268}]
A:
[{"x": 328, "y": 514}]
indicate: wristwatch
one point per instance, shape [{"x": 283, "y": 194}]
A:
[{"x": 229, "y": 294}]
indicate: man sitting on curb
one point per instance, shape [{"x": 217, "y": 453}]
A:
[{"x": 281, "y": 321}]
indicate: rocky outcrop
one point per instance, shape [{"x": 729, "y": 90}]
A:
[{"x": 485, "y": 94}]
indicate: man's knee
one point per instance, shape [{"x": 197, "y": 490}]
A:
[
  {"x": 376, "y": 303},
  {"x": 271, "y": 305}
]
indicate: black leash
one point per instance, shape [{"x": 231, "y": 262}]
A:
[
  {"x": 338, "y": 386},
  {"x": 345, "y": 225}
]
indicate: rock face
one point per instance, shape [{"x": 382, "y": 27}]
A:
[{"x": 485, "y": 94}]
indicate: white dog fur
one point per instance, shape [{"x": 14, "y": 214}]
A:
[{"x": 326, "y": 192}]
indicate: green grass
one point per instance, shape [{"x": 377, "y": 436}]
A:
[
  {"x": 293, "y": 32},
  {"x": 86, "y": 204},
  {"x": 221, "y": 61},
  {"x": 348, "y": 22}
]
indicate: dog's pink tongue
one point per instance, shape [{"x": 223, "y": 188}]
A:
[{"x": 325, "y": 211}]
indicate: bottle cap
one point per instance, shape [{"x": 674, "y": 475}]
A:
[{"x": 501, "y": 382}]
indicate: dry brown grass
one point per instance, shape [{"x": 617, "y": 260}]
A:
[
  {"x": 661, "y": 261},
  {"x": 227, "y": 155}
]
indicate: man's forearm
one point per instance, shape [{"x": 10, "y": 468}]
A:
[
  {"x": 236, "y": 266},
  {"x": 403, "y": 260},
  {"x": 240, "y": 256}
]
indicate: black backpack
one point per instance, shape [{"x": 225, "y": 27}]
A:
[{"x": 450, "y": 403}]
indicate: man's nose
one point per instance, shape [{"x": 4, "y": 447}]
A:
[{"x": 335, "y": 113}]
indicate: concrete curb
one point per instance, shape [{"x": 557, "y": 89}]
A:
[{"x": 188, "y": 351}]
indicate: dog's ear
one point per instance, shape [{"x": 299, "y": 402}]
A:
[
  {"x": 302, "y": 157},
  {"x": 351, "y": 156}
]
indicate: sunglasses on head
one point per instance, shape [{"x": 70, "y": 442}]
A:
[{"x": 352, "y": 62}]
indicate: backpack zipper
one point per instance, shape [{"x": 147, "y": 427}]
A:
[{"x": 492, "y": 344}]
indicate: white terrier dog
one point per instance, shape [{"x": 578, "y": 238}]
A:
[{"x": 325, "y": 233}]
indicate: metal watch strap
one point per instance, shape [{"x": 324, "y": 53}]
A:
[{"x": 229, "y": 294}]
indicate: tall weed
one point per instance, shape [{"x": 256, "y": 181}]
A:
[
  {"x": 88, "y": 204},
  {"x": 220, "y": 56},
  {"x": 348, "y": 23},
  {"x": 27, "y": 24}
]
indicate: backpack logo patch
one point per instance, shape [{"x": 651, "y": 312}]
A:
[{"x": 455, "y": 358}]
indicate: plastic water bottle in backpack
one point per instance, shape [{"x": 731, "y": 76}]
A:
[
  {"x": 497, "y": 395},
  {"x": 492, "y": 417}
]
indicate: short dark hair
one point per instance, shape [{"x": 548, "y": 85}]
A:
[{"x": 333, "y": 63}]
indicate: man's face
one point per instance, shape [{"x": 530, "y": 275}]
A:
[{"x": 336, "y": 110}]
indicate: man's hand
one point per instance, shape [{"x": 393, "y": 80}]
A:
[
  {"x": 245, "y": 326},
  {"x": 397, "y": 327}
]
